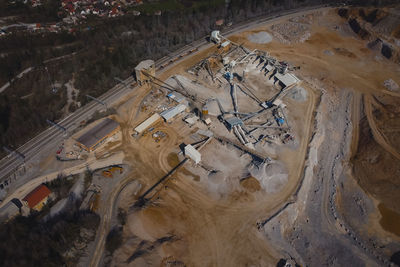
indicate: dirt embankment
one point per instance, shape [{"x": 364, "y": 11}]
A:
[
  {"x": 380, "y": 27},
  {"x": 376, "y": 169}
]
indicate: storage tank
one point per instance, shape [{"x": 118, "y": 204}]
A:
[{"x": 204, "y": 111}]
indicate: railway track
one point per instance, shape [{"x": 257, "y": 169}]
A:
[{"x": 10, "y": 164}]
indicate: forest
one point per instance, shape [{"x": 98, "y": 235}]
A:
[
  {"x": 32, "y": 241},
  {"x": 101, "y": 49}
]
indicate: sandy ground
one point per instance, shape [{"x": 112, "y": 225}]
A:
[{"x": 212, "y": 209}]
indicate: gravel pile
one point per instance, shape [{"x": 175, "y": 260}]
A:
[
  {"x": 291, "y": 32},
  {"x": 260, "y": 38},
  {"x": 272, "y": 176}
]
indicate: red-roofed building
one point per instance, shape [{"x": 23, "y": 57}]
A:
[{"x": 37, "y": 198}]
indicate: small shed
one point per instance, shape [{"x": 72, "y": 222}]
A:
[
  {"x": 191, "y": 120},
  {"x": 225, "y": 46},
  {"x": 192, "y": 153},
  {"x": 279, "y": 103}
]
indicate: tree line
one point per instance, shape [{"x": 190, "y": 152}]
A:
[{"x": 108, "y": 48}]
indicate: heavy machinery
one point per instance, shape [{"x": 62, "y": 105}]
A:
[{"x": 109, "y": 173}]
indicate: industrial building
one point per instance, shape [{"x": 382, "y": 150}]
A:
[
  {"x": 231, "y": 122},
  {"x": 147, "y": 123},
  {"x": 169, "y": 114},
  {"x": 215, "y": 37},
  {"x": 192, "y": 153},
  {"x": 37, "y": 198},
  {"x": 177, "y": 97},
  {"x": 95, "y": 136},
  {"x": 145, "y": 67}
]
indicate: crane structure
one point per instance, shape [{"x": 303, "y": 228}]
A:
[
  {"x": 58, "y": 126},
  {"x": 97, "y": 100},
  {"x": 19, "y": 155},
  {"x": 121, "y": 81}
]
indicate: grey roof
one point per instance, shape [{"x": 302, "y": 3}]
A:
[
  {"x": 8, "y": 211},
  {"x": 172, "y": 112},
  {"x": 98, "y": 132},
  {"x": 145, "y": 64},
  {"x": 269, "y": 67},
  {"x": 234, "y": 121},
  {"x": 176, "y": 96}
]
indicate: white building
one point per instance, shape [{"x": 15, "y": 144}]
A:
[
  {"x": 192, "y": 153},
  {"x": 169, "y": 114},
  {"x": 215, "y": 37},
  {"x": 147, "y": 123}
]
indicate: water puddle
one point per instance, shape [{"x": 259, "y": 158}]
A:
[{"x": 390, "y": 220}]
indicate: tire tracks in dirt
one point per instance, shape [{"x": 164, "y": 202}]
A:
[{"x": 379, "y": 137}]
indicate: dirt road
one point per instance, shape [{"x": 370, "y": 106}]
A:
[
  {"x": 106, "y": 212},
  {"x": 379, "y": 137}
]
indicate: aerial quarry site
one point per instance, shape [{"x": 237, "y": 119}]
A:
[{"x": 274, "y": 146}]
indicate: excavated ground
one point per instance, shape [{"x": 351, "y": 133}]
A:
[{"x": 185, "y": 224}]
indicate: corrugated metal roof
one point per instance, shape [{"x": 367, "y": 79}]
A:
[
  {"x": 226, "y": 43},
  {"x": 192, "y": 153},
  {"x": 234, "y": 121},
  {"x": 98, "y": 132},
  {"x": 172, "y": 112},
  {"x": 176, "y": 97},
  {"x": 147, "y": 123}
]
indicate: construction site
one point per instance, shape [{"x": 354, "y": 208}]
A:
[{"x": 276, "y": 145}]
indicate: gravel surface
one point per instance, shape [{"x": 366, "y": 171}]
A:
[{"x": 272, "y": 176}]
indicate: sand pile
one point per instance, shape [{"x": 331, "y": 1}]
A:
[
  {"x": 272, "y": 176},
  {"x": 251, "y": 184},
  {"x": 260, "y": 38}
]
